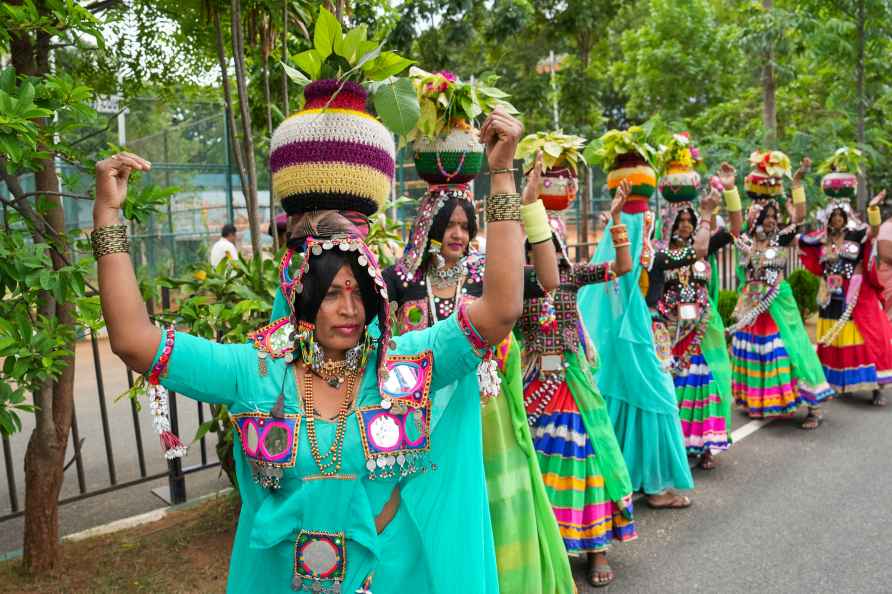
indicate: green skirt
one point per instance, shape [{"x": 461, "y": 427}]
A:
[{"x": 530, "y": 552}]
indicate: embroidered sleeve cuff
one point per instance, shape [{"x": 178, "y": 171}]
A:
[
  {"x": 477, "y": 342},
  {"x": 162, "y": 357}
]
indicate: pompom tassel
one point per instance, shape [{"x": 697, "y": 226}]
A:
[{"x": 172, "y": 445}]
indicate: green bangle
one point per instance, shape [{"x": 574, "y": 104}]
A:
[
  {"x": 535, "y": 221},
  {"x": 732, "y": 200}
]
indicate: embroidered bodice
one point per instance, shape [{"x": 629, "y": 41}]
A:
[
  {"x": 839, "y": 261},
  {"x": 417, "y": 308},
  {"x": 549, "y": 323},
  {"x": 765, "y": 264}
]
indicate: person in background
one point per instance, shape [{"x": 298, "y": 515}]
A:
[{"x": 225, "y": 246}]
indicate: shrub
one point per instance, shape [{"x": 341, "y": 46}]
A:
[
  {"x": 726, "y": 305},
  {"x": 805, "y": 290}
]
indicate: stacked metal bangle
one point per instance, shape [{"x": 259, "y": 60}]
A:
[
  {"x": 111, "y": 239},
  {"x": 620, "y": 236},
  {"x": 503, "y": 207}
]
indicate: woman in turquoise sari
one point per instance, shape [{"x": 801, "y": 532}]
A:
[
  {"x": 635, "y": 382},
  {"x": 359, "y": 461}
]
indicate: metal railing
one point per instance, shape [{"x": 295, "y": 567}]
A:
[{"x": 92, "y": 484}]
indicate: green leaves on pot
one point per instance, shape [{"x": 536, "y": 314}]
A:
[
  {"x": 396, "y": 104},
  {"x": 343, "y": 56},
  {"x": 447, "y": 102},
  {"x": 845, "y": 160},
  {"x": 558, "y": 149},
  {"x": 614, "y": 143}
]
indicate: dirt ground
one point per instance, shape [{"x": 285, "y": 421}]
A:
[{"x": 186, "y": 552}]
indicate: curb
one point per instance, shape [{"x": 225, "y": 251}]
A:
[{"x": 127, "y": 523}]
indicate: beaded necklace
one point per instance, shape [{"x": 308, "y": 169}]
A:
[
  {"x": 445, "y": 277},
  {"x": 330, "y": 463},
  {"x": 431, "y": 299}
]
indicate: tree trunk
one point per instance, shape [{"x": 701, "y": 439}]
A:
[
  {"x": 266, "y": 46},
  {"x": 45, "y": 454},
  {"x": 238, "y": 55},
  {"x": 769, "y": 105},
  {"x": 227, "y": 101},
  {"x": 286, "y": 103},
  {"x": 859, "y": 85}
]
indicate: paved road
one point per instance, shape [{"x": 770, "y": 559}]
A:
[{"x": 787, "y": 511}]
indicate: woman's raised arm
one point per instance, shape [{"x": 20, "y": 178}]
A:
[{"x": 131, "y": 334}]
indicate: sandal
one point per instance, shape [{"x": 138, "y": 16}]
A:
[
  {"x": 676, "y": 502},
  {"x": 595, "y": 570},
  {"x": 707, "y": 461},
  {"x": 878, "y": 399},
  {"x": 812, "y": 421}
]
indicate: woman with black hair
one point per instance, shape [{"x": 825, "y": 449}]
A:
[
  {"x": 582, "y": 465},
  {"x": 773, "y": 364},
  {"x": 854, "y": 337},
  {"x": 358, "y": 459},
  {"x": 678, "y": 297},
  {"x": 435, "y": 275}
]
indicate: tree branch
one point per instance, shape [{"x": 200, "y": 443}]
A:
[
  {"x": 49, "y": 193},
  {"x": 108, "y": 124},
  {"x": 103, "y": 5}
]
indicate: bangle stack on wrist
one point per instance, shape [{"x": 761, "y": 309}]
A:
[
  {"x": 503, "y": 207},
  {"x": 111, "y": 239},
  {"x": 499, "y": 170},
  {"x": 535, "y": 222},
  {"x": 874, "y": 219},
  {"x": 620, "y": 236},
  {"x": 798, "y": 195}
]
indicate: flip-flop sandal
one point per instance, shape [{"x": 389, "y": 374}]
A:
[
  {"x": 597, "y": 568},
  {"x": 707, "y": 463},
  {"x": 878, "y": 400},
  {"x": 677, "y": 502},
  {"x": 812, "y": 422}
]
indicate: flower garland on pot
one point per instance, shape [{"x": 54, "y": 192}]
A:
[
  {"x": 444, "y": 139},
  {"x": 561, "y": 154},
  {"x": 677, "y": 161}
]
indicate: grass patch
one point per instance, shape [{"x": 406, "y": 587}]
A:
[{"x": 186, "y": 552}]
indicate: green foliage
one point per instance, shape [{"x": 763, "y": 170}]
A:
[
  {"x": 845, "y": 159},
  {"x": 385, "y": 232},
  {"x": 445, "y": 101},
  {"x": 605, "y": 150},
  {"x": 557, "y": 148},
  {"x": 396, "y": 104},
  {"x": 805, "y": 289},
  {"x": 340, "y": 56},
  {"x": 727, "y": 303}
]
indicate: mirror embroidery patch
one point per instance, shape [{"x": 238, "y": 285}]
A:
[
  {"x": 320, "y": 562},
  {"x": 269, "y": 444}
]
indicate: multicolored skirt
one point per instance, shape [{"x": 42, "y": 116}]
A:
[
  {"x": 859, "y": 357},
  {"x": 580, "y": 471},
  {"x": 700, "y": 405},
  {"x": 763, "y": 378}
]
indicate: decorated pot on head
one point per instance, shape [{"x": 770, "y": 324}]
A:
[
  {"x": 333, "y": 154},
  {"x": 561, "y": 156},
  {"x": 634, "y": 167},
  {"x": 453, "y": 158},
  {"x": 841, "y": 173},
  {"x": 766, "y": 179},
  {"x": 332, "y": 166},
  {"x": 679, "y": 182},
  {"x": 626, "y": 154}
]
